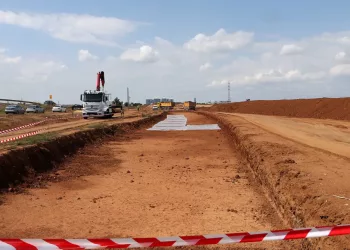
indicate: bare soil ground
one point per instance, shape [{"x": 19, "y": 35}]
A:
[
  {"x": 144, "y": 185},
  {"x": 68, "y": 125},
  {"x": 321, "y": 108},
  {"x": 12, "y": 121},
  {"x": 258, "y": 173},
  {"x": 304, "y": 165},
  {"x": 53, "y": 125},
  {"x": 329, "y": 135},
  {"x": 16, "y": 120}
]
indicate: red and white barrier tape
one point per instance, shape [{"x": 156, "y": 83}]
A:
[
  {"x": 20, "y": 137},
  {"x": 289, "y": 234},
  {"x": 21, "y": 127},
  {"x": 36, "y": 123}
]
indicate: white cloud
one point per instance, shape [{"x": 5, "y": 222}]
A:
[
  {"x": 85, "y": 55},
  {"x": 8, "y": 60},
  {"x": 13, "y": 60},
  {"x": 218, "y": 83},
  {"x": 144, "y": 54},
  {"x": 39, "y": 71},
  {"x": 258, "y": 71},
  {"x": 342, "y": 57},
  {"x": 344, "y": 40},
  {"x": 272, "y": 76},
  {"x": 219, "y": 42},
  {"x": 340, "y": 70},
  {"x": 291, "y": 49},
  {"x": 72, "y": 27},
  {"x": 205, "y": 66}
]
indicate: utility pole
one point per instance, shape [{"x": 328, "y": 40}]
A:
[{"x": 228, "y": 92}]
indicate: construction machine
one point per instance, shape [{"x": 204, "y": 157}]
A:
[
  {"x": 189, "y": 105},
  {"x": 97, "y": 103},
  {"x": 166, "y": 105}
]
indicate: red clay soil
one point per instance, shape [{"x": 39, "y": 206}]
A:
[
  {"x": 302, "y": 182},
  {"x": 321, "y": 108},
  {"x": 22, "y": 164}
]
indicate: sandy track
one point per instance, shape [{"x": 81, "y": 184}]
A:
[
  {"x": 328, "y": 135},
  {"x": 145, "y": 184},
  {"x": 291, "y": 158}
]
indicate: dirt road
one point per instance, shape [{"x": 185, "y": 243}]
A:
[
  {"x": 304, "y": 166},
  {"x": 328, "y": 135},
  {"x": 144, "y": 185}
]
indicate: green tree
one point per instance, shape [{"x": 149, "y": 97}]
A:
[{"x": 117, "y": 102}]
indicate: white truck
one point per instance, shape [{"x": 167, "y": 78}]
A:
[{"x": 97, "y": 103}]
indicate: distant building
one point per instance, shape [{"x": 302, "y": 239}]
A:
[
  {"x": 156, "y": 100},
  {"x": 166, "y": 100}
]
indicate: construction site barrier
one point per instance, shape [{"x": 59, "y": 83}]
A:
[
  {"x": 21, "y": 136},
  {"x": 26, "y": 126},
  {"x": 288, "y": 234},
  {"x": 21, "y": 127}
]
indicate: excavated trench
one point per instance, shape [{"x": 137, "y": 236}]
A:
[{"x": 21, "y": 165}]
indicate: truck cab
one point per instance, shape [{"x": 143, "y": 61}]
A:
[{"x": 96, "y": 104}]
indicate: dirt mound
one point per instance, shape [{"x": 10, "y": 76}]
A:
[
  {"x": 22, "y": 165},
  {"x": 321, "y": 108},
  {"x": 146, "y": 108}
]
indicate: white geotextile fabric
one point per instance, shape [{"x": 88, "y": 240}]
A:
[{"x": 178, "y": 123}]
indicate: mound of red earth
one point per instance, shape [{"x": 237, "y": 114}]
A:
[{"x": 321, "y": 108}]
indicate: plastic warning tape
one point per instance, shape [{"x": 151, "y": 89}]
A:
[
  {"x": 34, "y": 124},
  {"x": 289, "y": 234},
  {"x": 20, "y": 137},
  {"x": 21, "y": 127}
]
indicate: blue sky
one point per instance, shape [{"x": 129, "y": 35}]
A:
[
  {"x": 287, "y": 18},
  {"x": 274, "y": 24}
]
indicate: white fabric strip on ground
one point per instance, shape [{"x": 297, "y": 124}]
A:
[{"x": 178, "y": 123}]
